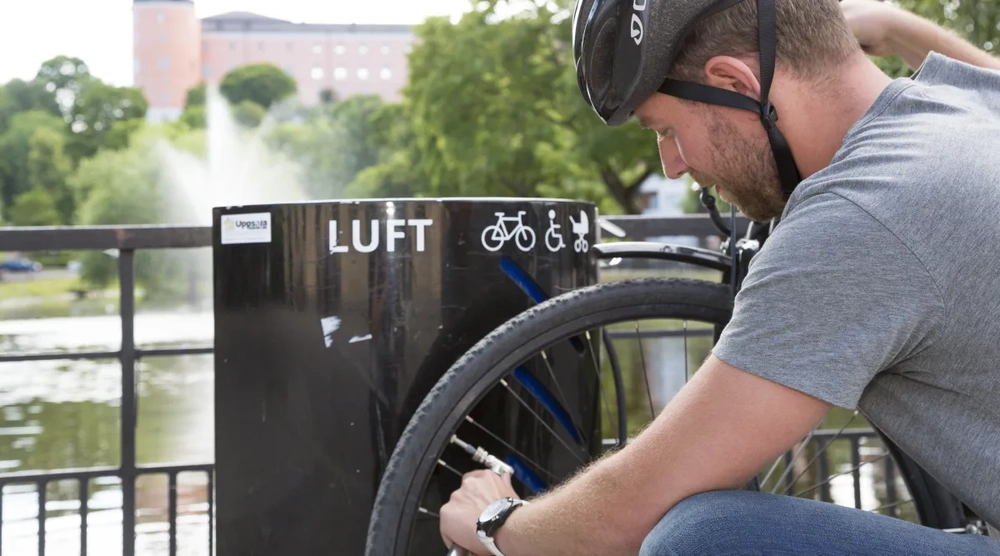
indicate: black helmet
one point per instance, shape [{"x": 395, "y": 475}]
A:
[{"x": 624, "y": 49}]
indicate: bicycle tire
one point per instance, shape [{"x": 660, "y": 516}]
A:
[{"x": 470, "y": 378}]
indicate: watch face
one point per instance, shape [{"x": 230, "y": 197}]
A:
[{"x": 494, "y": 509}]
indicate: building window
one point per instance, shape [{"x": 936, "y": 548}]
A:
[
  {"x": 340, "y": 74},
  {"x": 386, "y": 73},
  {"x": 317, "y": 49},
  {"x": 362, "y": 49},
  {"x": 316, "y": 73},
  {"x": 385, "y": 49},
  {"x": 163, "y": 37},
  {"x": 164, "y": 62},
  {"x": 339, "y": 49},
  {"x": 161, "y": 17},
  {"x": 260, "y": 46},
  {"x": 163, "y": 98},
  {"x": 206, "y": 71},
  {"x": 362, "y": 73}
]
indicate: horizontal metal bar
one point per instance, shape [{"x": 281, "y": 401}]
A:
[
  {"x": 44, "y": 238},
  {"x": 94, "y": 472},
  {"x": 643, "y": 226},
  {"x": 174, "y": 351},
  {"x": 64, "y": 355},
  {"x": 847, "y": 433},
  {"x": 58, "y": 355},
  {"x": 618, "y": 334}
]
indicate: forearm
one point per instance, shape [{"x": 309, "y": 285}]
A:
[
  {"x": 913, "y": 37},
  {"x": 599, "y": 512}
]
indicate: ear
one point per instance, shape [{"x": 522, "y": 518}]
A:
[{"x": 733, "y": 74}]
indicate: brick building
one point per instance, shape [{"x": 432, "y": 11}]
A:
[{"x": 174, "y": 51}]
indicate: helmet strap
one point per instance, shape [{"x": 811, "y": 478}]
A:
[{"x": 788, "y": 172}]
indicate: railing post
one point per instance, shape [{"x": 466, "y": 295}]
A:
[{"x": 126, "y": 283}]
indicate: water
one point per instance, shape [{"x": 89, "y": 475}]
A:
[
  {"x": 65, "y": 414},
  {"x": 240, "y": 169}
]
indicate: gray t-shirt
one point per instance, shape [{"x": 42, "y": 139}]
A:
[{"x": 880, "y": 287}]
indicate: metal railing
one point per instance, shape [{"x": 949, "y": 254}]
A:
[{"x": 127, "y": 240}]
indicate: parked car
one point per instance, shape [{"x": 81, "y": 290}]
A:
[{"x": 20, "y": 265}]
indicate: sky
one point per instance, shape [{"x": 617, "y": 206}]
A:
[{"x": 100, "y": 31}]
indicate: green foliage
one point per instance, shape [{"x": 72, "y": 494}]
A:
[
  {"x": 249, "y": 114},
  {"x": 15, "y": 147},
  {"x": 48, "y": 170},
  {"x": 494, "y": 109},
  {"x": 35, "y": 208},
  {"x": 264, "y": 84},
  {"x": 96, "y": 111}
]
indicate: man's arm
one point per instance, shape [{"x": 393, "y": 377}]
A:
[
  {"x": 883, "y": 29},
  {"x": 722, "y": 428}
]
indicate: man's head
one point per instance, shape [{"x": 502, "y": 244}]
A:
[{"x": 713, "y": 43}]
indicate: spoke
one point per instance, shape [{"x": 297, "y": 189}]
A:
[
  {"x": 832, "y": 477},
  {"x": 687, "y": 374},
  {"x": 892, "y": 505},
  {"x": 562, "y": 396},
  {"x": 818, "y": 454},
  {"x": 428, "y": 512},
  {"x": 790, "y": 467},
  {"x": 645, "y": 375},
  {"x": 597, "y": 369},
  {"x": 511, "y": 448},
  {"x": 450, "y": 468},
  {"x": 542, "y": 421}
]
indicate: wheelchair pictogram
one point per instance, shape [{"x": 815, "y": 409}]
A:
[{"x": 553, "y": 238}]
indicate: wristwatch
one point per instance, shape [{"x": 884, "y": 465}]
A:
[{"x": 492, "y": 518}]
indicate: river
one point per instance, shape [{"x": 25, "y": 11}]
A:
[{"x": 64, "y": 414}]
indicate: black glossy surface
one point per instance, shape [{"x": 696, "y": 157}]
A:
[{"x": 305, "y": 421}]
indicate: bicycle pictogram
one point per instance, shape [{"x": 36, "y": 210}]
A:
[{"x": 495, "y": 236}]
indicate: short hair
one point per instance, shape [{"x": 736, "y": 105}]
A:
[{"x": 812, "y": 37}]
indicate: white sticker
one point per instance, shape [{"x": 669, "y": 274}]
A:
[
  {"x": 329, "y": 326},
  {"x": 246, "y": 228}
]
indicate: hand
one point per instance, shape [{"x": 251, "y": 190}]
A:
[
  {"x": 459, "y": 516},
  {"x": 872, "y": 23}
]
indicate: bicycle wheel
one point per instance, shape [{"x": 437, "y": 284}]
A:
[{"x": 417, "y": 476}]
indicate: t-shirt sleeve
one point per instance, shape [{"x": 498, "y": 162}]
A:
[{"x": 832, "y": 299}]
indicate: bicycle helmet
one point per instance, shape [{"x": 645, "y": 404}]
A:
[{"x": 623, "y": 50}]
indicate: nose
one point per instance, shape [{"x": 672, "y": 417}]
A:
[{"x": 670, "y": 156}]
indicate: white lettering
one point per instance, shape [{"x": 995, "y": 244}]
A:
[
  {"x": 393, "y": 234},
  {"x": 639, "y": 5},
  {"x": 372, "y": 244},
  {"x": 334, "y": 248},
  {"x": 395, "y": 229},
  {"x": 420, "y": 224}
]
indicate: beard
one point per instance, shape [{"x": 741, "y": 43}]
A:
[{"x": 745, "y": 171}]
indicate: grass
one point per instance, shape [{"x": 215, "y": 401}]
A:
[{"x": 46, "y": 287}]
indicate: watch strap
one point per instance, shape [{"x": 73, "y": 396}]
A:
[{"x": 488, "y": 540}]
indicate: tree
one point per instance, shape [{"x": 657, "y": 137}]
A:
[
  {"x": 15, "y": 148},
  {"x": 264, "y": 84},
  {"x": 495, "y": 110},
  {"x": 22, "y": 96},
  {"x": 249, "y": 114},
  {"x": 48, "y": 170},
  {"x": 65, "y": 78},
  {"x": 34, "y": 208},
  {"x": 96, "y": 110}
]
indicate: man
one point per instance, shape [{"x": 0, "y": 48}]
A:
[{"x": 878, "y": 289}]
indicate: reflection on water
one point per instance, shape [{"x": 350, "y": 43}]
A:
[{"x": 65, "y": 414}]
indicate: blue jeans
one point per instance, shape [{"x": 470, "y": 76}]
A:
[{"x": 731, "y": 523}]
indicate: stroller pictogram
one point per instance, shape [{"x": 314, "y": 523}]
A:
[{"x": 580, "y": 229}]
